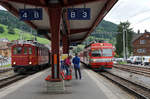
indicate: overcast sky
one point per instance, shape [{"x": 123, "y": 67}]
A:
[{"x": 137, "y": 12}]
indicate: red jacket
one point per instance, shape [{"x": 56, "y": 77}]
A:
[{"x": 68, "y": 62}]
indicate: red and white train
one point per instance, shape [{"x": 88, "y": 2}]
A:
[
  {"x": 29, "y": 55},
  {"x": 98, "y": 56}
]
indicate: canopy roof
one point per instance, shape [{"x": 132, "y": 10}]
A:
[{"x": 78, "y": 29}]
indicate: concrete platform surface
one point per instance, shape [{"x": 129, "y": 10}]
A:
[{"x": 34, "y": 87}]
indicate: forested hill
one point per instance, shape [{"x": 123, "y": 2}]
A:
[
  {"x": 8, "y": 19},
  {"x": 107, "y": 26}
]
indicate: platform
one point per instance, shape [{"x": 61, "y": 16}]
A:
[{"x": 34, "y": 87}]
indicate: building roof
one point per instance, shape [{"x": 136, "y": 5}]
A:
[
  {"x": 136, "y": 36},
  {"x": 4, "y": 40}
]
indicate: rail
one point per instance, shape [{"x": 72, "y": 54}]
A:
[
  {"x": 139, "y": 91},
  {"x": 134, "y": 69}
]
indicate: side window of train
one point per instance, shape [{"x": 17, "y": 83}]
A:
[
  {"x": 30, "y": 50},
  {"x": 14, "y": 50},
  {"x": 25, "y": 50},
  {"x": 40, "y": 51},
  {"x": 35, "y": 51}
]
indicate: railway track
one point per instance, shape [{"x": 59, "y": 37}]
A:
[
  {"x": 11, "y": 79},
  {"x": 139, "y": 91},
  {"x": 14, "y": 78},
  {"x": 134, "y": 69},
  {"x": 5, "y": 70}
]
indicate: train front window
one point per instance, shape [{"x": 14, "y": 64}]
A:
[
  {"x": 25, "y": 50},
  {"x": 30, "y": 50},
  {"x": 96, "y": 53},
  {"x": 107, "y": 52},
  {"x": 17, "y": 50}
]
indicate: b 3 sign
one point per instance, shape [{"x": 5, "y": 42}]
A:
[
  {"x": 31, "y": 14},
  {"x": 79, "y": 13}
]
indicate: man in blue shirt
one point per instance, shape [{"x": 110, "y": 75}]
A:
[{"x": 76, "y": 62}]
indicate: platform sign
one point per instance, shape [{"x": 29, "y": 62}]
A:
[
  {"x": 79, "y": 13},
  {"x": 31, "y": 14}
]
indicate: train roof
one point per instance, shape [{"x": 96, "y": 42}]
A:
[
  {"x": 98, "y": 44},
  {"x": 30, "y": 42}
]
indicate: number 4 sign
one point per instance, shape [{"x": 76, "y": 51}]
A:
[
  {"x": 79, "y": 13},
  {"x": 30, "y": 14}
]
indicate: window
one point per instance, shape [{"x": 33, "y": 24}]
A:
[
  {"x": 96, "y": 53},
  {"x": 25, "y": 50},
  {"x": 17, "y": 50},
  {"x": 107, "y": 52},
  {"x": 30, "y": 50},
  {"x": 147, "y": 36},
  {"x": 142, "y": 41},
  {"x": 141, "y": 51},
  {"x": 36, "y": 51}
]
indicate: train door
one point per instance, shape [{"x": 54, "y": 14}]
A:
[
  {"x": 30, "y": 52},
  {"x": 26, "y": 56}
]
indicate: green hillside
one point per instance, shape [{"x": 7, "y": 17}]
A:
[
  {"x": 8, "y": 19},
  {"x": 106, "y": 31},
  {"x": 16, "y": 36},
  {"x": 106, "y": 26}
]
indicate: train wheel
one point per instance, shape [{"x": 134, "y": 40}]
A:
[{"x": 15, "y": 69}]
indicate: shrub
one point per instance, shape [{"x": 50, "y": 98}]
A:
[{"x": 1, "y": 29}]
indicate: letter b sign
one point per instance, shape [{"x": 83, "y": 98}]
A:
[{"x": 79, "y": 13}]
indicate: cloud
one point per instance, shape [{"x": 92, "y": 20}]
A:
[
  {"x": 2, "y": 8},
  {"x": 137, "y": 12}
]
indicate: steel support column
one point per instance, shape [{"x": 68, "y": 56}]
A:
[
  {"x": 55, "y": 17},
  {"x": 65, "y": 41}
]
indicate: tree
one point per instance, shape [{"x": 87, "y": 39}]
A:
[
  {"x": 11, "y": 30},
  {"x": 1, "y": 29},
  {"x": 119, "y": 38}
]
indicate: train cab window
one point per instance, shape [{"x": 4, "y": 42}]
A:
[
  {"x": 107, "y": 52},
  {"x": 96, "y": 53},
  {"x": 17, "y": 50},
  {"x": 25, "y": 50},
  {"x": 30, "y": 50}
]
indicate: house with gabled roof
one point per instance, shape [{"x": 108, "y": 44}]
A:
[{"x": 141, "y": 44}]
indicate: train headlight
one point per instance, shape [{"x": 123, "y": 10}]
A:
[
  {"x": 111, "y": 60},
  {"x": 30, "y": 63},
  {"x": 14, "y": 63},
  {"x": 93, "y": 60}
]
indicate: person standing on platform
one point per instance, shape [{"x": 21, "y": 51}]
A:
[
  {"x": 67, "y": 64},
  {"x": 76, "y": 62}
]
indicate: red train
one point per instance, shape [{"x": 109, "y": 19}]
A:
[
  {"x": 98, "y": 56},
  {"x": 29, "y": 55}
]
